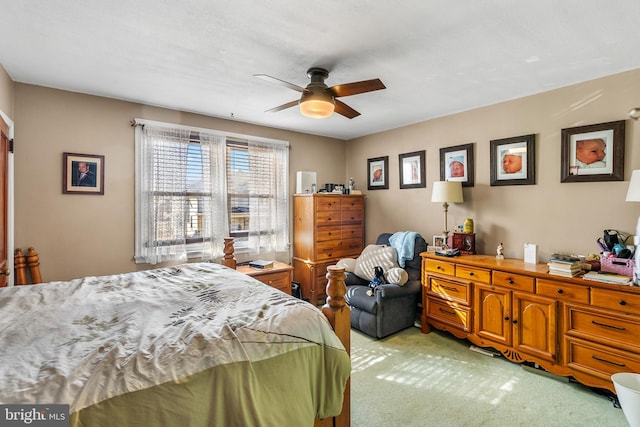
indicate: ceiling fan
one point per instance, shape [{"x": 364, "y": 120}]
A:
[{"x": 318, "y": 100}]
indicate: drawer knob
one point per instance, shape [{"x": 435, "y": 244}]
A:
[
  {"x": 560, "y": 291},
  {"x": 506, "y": 317},
  {"x": 622, "y": 302},
  {"x": 511, "y": 282},
  {"x": 439, "y": 268},
  {"x": 515, "y": 321},
  {"x": 471, "y": 273}
]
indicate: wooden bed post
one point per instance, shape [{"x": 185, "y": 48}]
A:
[
  {"x": 229, "y": 259},
  {"x": 338, "y": 313},
  {"x": 20, "y": 266},
  {"x": 33, "y": 261}
]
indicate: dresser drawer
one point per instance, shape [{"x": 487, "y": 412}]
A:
[
  {"x": 458, "y": 317},
  {"x": 615, "y": 300},
  {"x": 451, "y": 291},
  {"x": 335, "y": 249},
  {"x": 328, "y": 233},
  {"x": 513, "y": 281},
  {"x": 600, "y": 361},
  {"x": 562, "y": 291},
  {"x": 351, "y": 232},
  {"x": 328, "y": 204},
  {"x": 607, "y": 327},
  {"x": 351, "y": 217},
  {"x": 279, "y": 280},
  {"x": 328, "y": 249},
  {"x": 328, "y": 218},
  {"x": 473, "y": 273},
  {"x": 442, "y": 267},
  {"x": 352, "y": 204}
]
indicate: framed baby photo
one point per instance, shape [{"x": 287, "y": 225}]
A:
[
  {"x": 82, "y": 174},
  {"x": 512, "y": 160},
  {"x": 593, "y": 153},
  {"x": 377, "y": 173},
  {"x": 439, "y": 243},
  {"x": 456, "y": 164},
  {"x": 412, "y": 172}
]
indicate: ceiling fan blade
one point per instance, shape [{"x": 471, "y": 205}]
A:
[
  {"x": 355, "y": 88},
  {"x": 345, "y": 110},
  {"x": 283, "y": 107},
  {"x": 280, "y": 82}
]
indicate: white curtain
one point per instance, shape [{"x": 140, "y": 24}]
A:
[
  {"x": 161, "y": 164},
  {"x": 216, "y": 221},
  {"x": 181, "y": 174},
  {"x": 268, "y": 197}
]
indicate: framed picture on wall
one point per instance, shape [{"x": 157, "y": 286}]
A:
[
  {"x": 377, "y": 173},
  {"x": 593, "y": 153},
  {"x": 412, "y": 171},
  {"x": 512, "y": 160},
  {"x": 82, "y": 174},
  {"x": 456, "y": 164}
]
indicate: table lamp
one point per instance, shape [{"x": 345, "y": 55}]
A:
[
  {"x": 633, "y": 195},
  {"x": 448, "y": 192}
]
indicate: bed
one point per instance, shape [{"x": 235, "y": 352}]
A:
[{"x": 198, "y": 344}]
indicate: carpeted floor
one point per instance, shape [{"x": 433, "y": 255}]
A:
[{"x": 415, "y": 379}]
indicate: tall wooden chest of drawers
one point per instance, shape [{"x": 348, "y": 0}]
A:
[{"x": 327, "y": 227}]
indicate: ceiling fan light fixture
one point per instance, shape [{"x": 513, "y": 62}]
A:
[
  {"x": 316, "y": 104},
  {"x": 317, "y": 108}
]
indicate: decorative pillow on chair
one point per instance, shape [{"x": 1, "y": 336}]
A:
[
  {"x": 374, "y": 256},
  {"x": 396, "y": 275}
]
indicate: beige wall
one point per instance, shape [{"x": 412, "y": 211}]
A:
[
  {"x": 78, "y": 235},
  {"x": 6, "y": 93},
  {"x": 565, "y": 217},
  {"x": 87, "y": 235}
]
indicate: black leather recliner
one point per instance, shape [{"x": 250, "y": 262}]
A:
[{"x": 392, "y": 307}]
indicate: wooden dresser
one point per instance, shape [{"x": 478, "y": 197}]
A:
[
  {"x": 278, "y": 277},
  {"x": 327, "y": 227},
  {"x": 569, "y": 326}
]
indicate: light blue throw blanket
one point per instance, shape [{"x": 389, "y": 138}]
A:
[{"x": 404, "y": 243}]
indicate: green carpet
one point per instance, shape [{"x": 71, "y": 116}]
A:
[{"x": 415, "y": 379}]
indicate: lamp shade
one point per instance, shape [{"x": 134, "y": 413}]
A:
[
  {"x": 316, "y": 104},
  {"x": 633, "y": 193},
  {"x": 448, "y": 191}
]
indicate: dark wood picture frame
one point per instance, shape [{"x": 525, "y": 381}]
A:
[
  {"x": 456, "y": 164},
  {"x": 412, "y": 170},
  {"x": 512, "y": 160},
  {"x": 378, "y": 173},
  {"x": 600, "y": 145},
  {"x": 82, "y": 174}
]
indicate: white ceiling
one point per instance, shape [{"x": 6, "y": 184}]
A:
[{"x": 436, "y": 57}]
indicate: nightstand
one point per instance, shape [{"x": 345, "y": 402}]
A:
[{"x": 278, "y": 277}]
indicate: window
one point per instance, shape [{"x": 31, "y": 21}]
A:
[{"x": 196, "y": 186}]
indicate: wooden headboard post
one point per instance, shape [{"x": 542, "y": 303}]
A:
[
  {"x": 33, "y": 261},
  {"x": 20, "y": 266},
  {"x": 229, "y": 259}
]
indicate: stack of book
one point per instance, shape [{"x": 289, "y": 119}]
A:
[
  {"x": 564, "y": 265},
  {"x": 613, "y": 278},
  {"x": 260, "y": 264}
]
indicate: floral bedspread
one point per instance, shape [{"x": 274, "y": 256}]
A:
[{"x": 83, "y": 341}]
